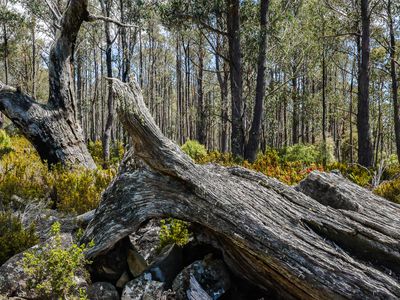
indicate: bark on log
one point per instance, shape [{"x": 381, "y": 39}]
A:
[
  {"x": 53, "y": 128},
  {"x": 342, "y": 244}
]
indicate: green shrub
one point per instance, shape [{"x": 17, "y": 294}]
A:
[
  {"x": 51, "y": 268},
  {"x": 5, "y": 143},
  {"x": 391, "y": 171},
  {"x": 71, "y": 190},
  {"x": 22, "y": 172},
  {"x": 78, "y": 190},
  {"x": 326, "y": 151},
  {"x": 302, "y": 153},
  {"x": 195, "y": 150},
  {"x": 389, "y": 190},
  {"x": 96, "y": 151},
  {"x": 173, "y": 231},
  {"x": 116, "y": 153},
  {"x": 356, "y": 173},
  {"x": 14, "y": 238}
]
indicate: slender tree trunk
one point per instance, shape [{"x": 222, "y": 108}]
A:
[
  {"x": 365, "y": 155},
  {"x": 351, "y": 114},
  {"x": 295, "y": 113},
  {"x": 393, "y": 73},
  {"x": 106, "y": 8},
  {"x": 235, "y": 61},
  {"x": 201, "y": 114},
  {"x": 33, "y": 35},
  {"x": 5, "y": 53},
  {"x": 79, "y": 87},
  {"x": 222, "y": 76},
  {"x": 258, "y": 111},
  {"x": 140, "y": 60},
  {"x": 324, "y": 81}
]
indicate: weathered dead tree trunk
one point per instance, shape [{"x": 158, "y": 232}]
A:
[
  {"x": 339, "y": 242},
  {"x": 53, "y": 128}
]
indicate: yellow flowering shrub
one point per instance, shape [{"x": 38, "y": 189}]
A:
[
  {"x": 14, "y": 238},
  {"x": 22, "y": 173},
  {"x": 389, "y": 190},
  {"x": 78, "y": 190}
]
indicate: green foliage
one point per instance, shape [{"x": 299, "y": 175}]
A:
[
  {"x": 78, "y": 190},
  {"x": 5, "y": 141},
  {"x": 14, "y": 238},
  {"x": 23, "y": 174},
  {"x": 356, "y": 173},
  {"x": 72, "y": 190},
  {"x": 51, "y": 268},
  {"x": 173, "y": 231},
  {"x": 325, "y": 151},
  {"x": 194, "y": 149},
  {"x": 389, "y": 190},
  {"x": 289, "y": 172},
  {"x": 116, "y": 153},
  {"x": 301, "y": 153},
  {"x": 392, "y": 169}
]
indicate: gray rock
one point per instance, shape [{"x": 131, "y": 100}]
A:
[
  {"x": 13, "y": 280},
  {"x": 211, "y": 274},
  {"x": 111, "y": 265},
  {"x": 136, "y": 263},
  {"x": 146, "y": 240},
  {"x": 167, "y": 265},
  {"x": 168, "y": 295},
  {"x": 123, "y": 280},
  {"x": 195, "y": 291},
  {"x": 143, "y": 288},
  {"x": 102, "y": 291}
]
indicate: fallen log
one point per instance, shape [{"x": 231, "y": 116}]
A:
[{"x": 273, "y": 235}]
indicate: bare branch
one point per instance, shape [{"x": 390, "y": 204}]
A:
[
  {"x": 93, "y": 18},
  {"x": 54, "y": 10}
]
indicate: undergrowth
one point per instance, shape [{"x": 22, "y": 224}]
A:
[
  {"x": 22, "y": 173},
  {"x": 14, "y": 238},
  {"x": 52, "y": 268}
]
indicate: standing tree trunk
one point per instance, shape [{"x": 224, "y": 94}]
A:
[
  {"x": 5, "y": 53},
  {"x": 222, "y": 76},
  {"x": 393, "y": 73},
  {"x": 295, "y": 112},
  {"x": 33, "y": 36},
  {"x": 201, "y": 111},
  {"x": 255, "y": 131},
  {"x": 235, "y": 61},
  {"x": 364, "y": 136},
  {"x": 351, "y": 114},
  {"x": 53, "y": 128},
  {"x": 106, "y": 8},
  {"x": 324, "y": 104}
]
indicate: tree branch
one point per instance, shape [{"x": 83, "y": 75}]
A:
[
  {"x": 6, "y": 88},
  {"x": 93, "y": 18}
]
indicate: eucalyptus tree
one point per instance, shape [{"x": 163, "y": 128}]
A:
[
  {"x": 53, "y": 128},
  {"x": 258, "y": 111}
]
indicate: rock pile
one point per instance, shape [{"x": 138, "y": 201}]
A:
[{"x": 136, "y": 269}]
